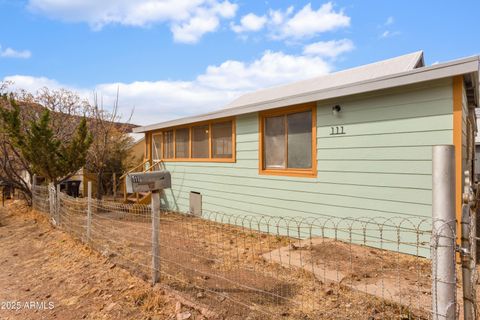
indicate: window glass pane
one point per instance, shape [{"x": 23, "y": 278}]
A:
[
  {"x": 156, "y": 146},
  {"x": 168, "y": 144},
  {"x": 274, "y": 141},
  {"x": 200, "y": 142},
  {"x": 222, "y": 140},
  {"x": 300, "y": 140},
  {"x": 181, "y": 143}
]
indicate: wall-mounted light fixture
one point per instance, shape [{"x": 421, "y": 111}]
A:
[{"x": 336, "y": 110}]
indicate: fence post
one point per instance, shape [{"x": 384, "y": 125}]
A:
[
  {"x": 443, "y": 233},
  {"x": 89, "y": 210},
  {"x": 467, "y": 250},
  {"x": 114, "y": 186},
  {"x": 155, "y": 204},
  {"x": 57, "y": 202}
]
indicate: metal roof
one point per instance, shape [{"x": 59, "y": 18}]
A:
[{"x": 402, "y": 70}]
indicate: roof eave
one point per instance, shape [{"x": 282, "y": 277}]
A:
[{"x": 439, "y": 71}]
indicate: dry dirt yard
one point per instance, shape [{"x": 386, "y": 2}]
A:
[{"x": 66, "y": 280}]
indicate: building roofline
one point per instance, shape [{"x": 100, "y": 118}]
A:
[{"x": 422, "y": 74}]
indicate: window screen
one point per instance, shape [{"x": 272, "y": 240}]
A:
[
  {"x": 156, "y": 146},
  {"x": 200, "y": 142},
  {"x": 222, "y": 140},
  {"x": 168, "y": 144},
  {"x": 299, "y": 140},
  {"x": 274, "y": 142},
  {"x": 181, "y": 143}
]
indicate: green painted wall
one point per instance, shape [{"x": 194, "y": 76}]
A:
[{"x": 381, "y": 167}]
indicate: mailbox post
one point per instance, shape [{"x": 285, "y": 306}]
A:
[{"x": 154, "y": 182}]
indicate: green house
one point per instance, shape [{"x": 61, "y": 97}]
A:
[{"x": 355, "y": 143}]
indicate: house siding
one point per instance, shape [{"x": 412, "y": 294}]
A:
[{"x": 381, "y": 167}]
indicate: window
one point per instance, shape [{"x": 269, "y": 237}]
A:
[
  {"x": 168, "y": 144},
  {"x": 222, "y": 140},
  {"x": 182, "y": 149},
  {"x": 157, "y": 147},
  {"x": 212, "y": 141},
  {"x": 288, "y": 141},
  {"x": 200, "y": 136}
]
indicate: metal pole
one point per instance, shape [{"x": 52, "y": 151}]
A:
[
  {"x": 89, "y": 210},
  {"x": 443, "y": 233},
  {"x": 155, "y": 204}
]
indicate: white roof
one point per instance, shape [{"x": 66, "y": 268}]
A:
[
  {"x": 403, "y": 70},
  {"x": 369, "y": 71}
]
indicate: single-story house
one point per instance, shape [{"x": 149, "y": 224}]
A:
[{"x": 354, "y": 143}]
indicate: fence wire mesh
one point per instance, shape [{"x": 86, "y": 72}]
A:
[{"x": 268, "y": 267}]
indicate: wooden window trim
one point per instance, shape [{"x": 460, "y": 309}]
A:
[
  {"x": 310, "y": 172},
  {"x": 203, "y": 123}
]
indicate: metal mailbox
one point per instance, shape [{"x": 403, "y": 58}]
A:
[{"x": 148, "y": 181}]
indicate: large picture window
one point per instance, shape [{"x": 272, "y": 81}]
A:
[
  {"x": 208, "y": 141},
  {"x": 288, "y": 141}
]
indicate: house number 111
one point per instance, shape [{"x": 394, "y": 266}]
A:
[{"x": 337, "y": 130}]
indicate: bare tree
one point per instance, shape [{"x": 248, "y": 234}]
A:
[{"x": 107, "y": 152}]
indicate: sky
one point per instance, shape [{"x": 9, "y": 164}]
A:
[{"x": 175, "y": 58}]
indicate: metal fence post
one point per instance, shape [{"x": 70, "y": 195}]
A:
[
  {"x": 443, "y": 233},
  {"x": 155, "y": 204},
  {"x": 89, "y": 210}
]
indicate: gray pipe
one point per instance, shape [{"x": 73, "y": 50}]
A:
[{"x": 443, "y": 233}]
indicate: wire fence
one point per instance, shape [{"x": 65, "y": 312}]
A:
[{"x": 268, "y": 267}]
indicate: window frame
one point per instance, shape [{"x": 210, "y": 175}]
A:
[
  {"x": 293, "y": 172},
  {"x": 190, "y": 126}
]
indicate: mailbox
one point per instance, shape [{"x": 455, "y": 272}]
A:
[{"x": 148, "y": 181}]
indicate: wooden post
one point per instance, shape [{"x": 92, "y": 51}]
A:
[
  {"x": 89, "y": 211},
  {"x": 57, "y": 203},
  {"x": 114, "y": 186},
  {"x": 155, "y": 204}
]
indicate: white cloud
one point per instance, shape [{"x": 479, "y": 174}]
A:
[
  {"x": 389, "y": 34},
  {"x": 306, "y": 22},
  {"x": 390, "y": 21},
  {"x": 329, "y": 49},
  {"x": 250, "y": 22},
  {"x": 156, "y": 101},
  {"x": 12, "y": 53},
  {"x": 188, "y": 19}
]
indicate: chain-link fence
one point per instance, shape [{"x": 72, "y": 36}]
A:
[{"x": 265, "y": 266}]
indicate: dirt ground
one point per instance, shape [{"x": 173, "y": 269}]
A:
[{"x": 45, "y": 274}]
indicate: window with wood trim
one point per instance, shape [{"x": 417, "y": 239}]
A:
[
  {"x": 212, "y": 141},
  {"x": 288, "y": 141},
  {"x": 222, "y": 139},
  {"x": 182, "y": 147},
  {"x": 168, "y": 144},
  {"x": 157, "y": 146}
]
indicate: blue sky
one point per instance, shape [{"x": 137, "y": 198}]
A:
[{"x": 171, "y": 58}]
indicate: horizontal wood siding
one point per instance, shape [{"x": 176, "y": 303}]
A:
[{"x": 380, "y": 167}]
